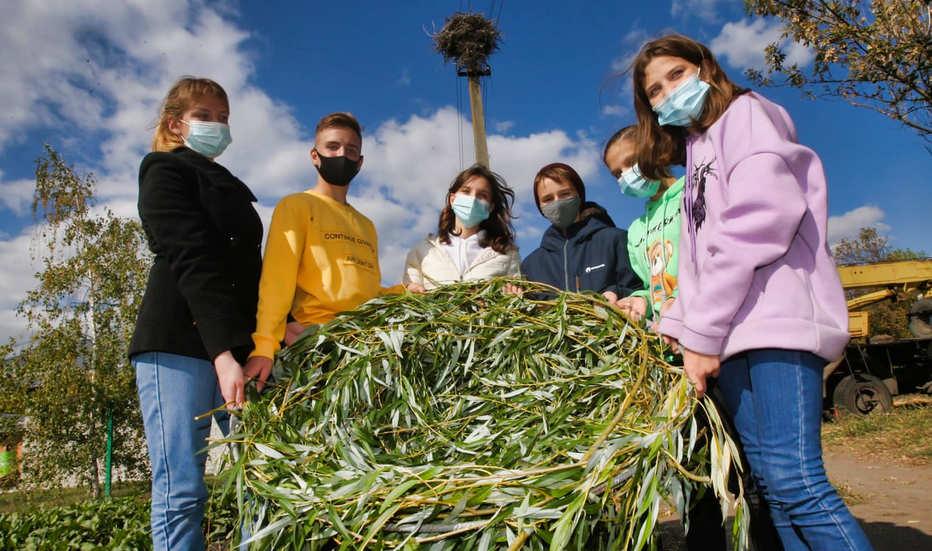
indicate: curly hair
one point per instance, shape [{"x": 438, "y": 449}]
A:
[{"x": 499, "y": 234}]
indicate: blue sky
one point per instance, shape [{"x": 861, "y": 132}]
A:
[{"x": 86, "y": 76}]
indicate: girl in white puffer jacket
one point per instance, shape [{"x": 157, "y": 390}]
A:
[{"x": 474, "y": 239}]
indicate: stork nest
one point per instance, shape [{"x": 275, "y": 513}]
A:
[{"x": 467, "y": 39}]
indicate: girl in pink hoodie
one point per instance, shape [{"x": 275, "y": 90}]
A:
[{"x": 760, "y": 304}]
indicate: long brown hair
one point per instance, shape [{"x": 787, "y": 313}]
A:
[
  {"x": 179, "y": 99},
  {"x": 662, "y": 146},
  {"x": 499, "y": 234}
]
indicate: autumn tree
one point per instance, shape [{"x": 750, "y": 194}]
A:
[
  {"x": 875, "y": 54},
  {"x": 73, "y": 373},
  {"x": 888, "y": 317}
]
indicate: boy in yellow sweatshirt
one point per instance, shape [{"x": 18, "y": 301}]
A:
[{"x": 321, "y": 256}]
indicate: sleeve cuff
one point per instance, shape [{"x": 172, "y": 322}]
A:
[
  {"x": 698, "y": 342},
  {"x": 670, "y": 327},
  {"x": 219, "y": 335},
  {"x": 265, "y": 346},
  {"x": 393, "y": 290}
]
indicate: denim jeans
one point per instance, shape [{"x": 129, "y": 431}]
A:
[
  {"x": 775, "y": 399},
  {"x": 173, "y": 390}
]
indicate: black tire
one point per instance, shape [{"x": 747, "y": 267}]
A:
[{"x": 862, "y": 394}]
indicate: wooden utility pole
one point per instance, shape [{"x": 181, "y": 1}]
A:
[
  {"x": 478, "y": 121},
  {"x": 468, "y": 39}
]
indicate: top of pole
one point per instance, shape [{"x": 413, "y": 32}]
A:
[{"x": 468, "y": 39}]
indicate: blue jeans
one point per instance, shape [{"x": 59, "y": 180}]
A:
[
  {"x": 775, "y": 398},
  {"x": 173, "y": 390}
]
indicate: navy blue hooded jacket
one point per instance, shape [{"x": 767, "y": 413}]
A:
[{"x": 591, "y": 256}]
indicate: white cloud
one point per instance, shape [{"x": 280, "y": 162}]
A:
[
  {"x": 847, "y": 225},
  {"x": 615, "y": 110},
  {"x": 503, "y": 126},
  {"x": 16, "y": 277},
  {"x": 742, "y": 44},
  {"x": 16, "y": 195},
  {"x": 706, "y": 10}
]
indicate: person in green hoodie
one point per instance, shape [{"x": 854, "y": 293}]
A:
[
  {"x": 653, "y": 244},
  {"x": 652, "y": 237}
]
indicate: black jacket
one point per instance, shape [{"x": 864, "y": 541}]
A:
[
  {"x": 591, "y": 256},
  {"x": 205, "y": 234}
]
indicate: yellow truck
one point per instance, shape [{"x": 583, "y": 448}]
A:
[{"x": 877, "y": 367}]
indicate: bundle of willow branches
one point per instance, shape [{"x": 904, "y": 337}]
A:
[{"x": 467, "y": 418}]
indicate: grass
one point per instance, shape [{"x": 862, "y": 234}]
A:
[
  {"x": 21, "y": 501},
  {"x": 900, "y": 436}
]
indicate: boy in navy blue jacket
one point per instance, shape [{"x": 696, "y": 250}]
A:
[{"x": 582, "y": 250}]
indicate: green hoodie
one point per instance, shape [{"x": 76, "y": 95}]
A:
[{"x": 653, "y": 247}]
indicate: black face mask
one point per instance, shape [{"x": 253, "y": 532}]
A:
[{"x": 337, "y": 171}]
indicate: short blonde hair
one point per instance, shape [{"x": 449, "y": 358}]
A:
[{"x": 178, "y": 100}]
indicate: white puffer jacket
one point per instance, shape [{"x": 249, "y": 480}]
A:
[{"x": 429, "y": 265}]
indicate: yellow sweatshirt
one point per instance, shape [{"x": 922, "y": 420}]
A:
[{"x": 321, "y": 258}]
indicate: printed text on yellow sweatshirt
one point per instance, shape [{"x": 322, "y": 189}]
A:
[{"x": 321, "y": 258}]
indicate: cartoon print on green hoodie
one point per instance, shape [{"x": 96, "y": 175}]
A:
[{"x": 653, "y": 246}]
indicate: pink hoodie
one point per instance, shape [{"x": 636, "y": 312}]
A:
[{"x": 755, "y": 269}]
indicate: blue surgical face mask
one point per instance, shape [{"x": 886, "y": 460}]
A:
[
  {"x": 633, "y": 184},
  {"x": 470, "y": 211},
  {"x": 209, "y": 139},
  {"x": 684, "y": 104}
]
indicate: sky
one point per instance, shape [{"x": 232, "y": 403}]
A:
[{"x": 87, "y": 76}]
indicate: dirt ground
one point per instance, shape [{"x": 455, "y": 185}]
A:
[
  {"x": 890, "y": 496},
  {"x": 892, "y": 501}
]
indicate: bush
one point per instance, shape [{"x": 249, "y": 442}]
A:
[{"x": 118, "y": 523}]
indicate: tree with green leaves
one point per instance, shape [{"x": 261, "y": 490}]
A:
[
  {"x": 73, "y": 373},
  {"x": 888, "y": 317},
  {"x": 874, "y": 54}
]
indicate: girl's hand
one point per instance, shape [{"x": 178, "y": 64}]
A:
[
  {"x": 231, "y": 380},
  {"x": 699, "y": 367},
  {"x": 512, "y": 289},
  {"x": 634, "y": 307},
  {"x": 258, "y": 368},
  {"x": 415, "y": 288},
  {"x": 292, "y": 331}
]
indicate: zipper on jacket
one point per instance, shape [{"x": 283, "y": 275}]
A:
[{"x": 566, "y": 272}]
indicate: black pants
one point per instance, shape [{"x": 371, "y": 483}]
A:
[{"x": 706, "y": 532}]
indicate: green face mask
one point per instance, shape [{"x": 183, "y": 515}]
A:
[{"x": 561, "y": 212}]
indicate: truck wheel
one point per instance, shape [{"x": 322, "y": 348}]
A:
[{"x": 862, "y": 394}]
